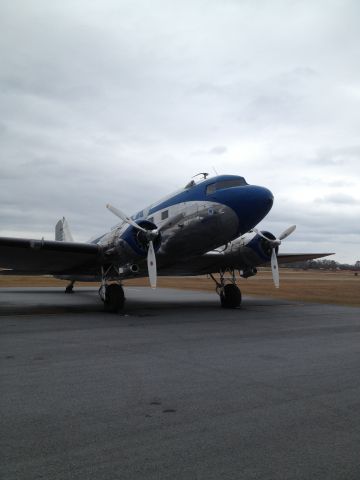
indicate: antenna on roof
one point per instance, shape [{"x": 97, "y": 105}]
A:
[{"x": 204, "y": 174}]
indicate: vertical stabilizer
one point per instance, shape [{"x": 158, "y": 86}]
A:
[{"x": 62, "y": 231}]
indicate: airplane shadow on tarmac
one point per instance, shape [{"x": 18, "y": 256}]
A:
[{"x": 140, "y": 302}]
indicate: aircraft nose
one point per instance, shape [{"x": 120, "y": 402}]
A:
[
  {"x": 251, "y": 204},
  {"x": 266, "y": 197},
  {"x": 258, "y": 201}
]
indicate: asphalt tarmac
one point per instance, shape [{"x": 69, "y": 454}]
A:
[{"x": 177, "y": 388}]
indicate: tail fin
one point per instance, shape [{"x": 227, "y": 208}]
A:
[{"x": 62, "y": 231}]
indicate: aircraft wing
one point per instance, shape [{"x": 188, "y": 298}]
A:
[
  {"x": 40, "y": 257},
  {"x": 299, "y": 257},
  {"x": 20, "y": 256},
  {"x": 212, "y": 262}
]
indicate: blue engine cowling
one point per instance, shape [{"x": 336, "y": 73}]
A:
[
  {"x": 137, "y": 240},
  {"x": 261, "y": 246}
]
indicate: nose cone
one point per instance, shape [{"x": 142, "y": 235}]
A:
[
  {"x": 251, "y": 204},
  {"x": 262, "y": 200}
]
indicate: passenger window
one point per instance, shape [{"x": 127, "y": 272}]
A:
[{"x": 164, "y": 214}]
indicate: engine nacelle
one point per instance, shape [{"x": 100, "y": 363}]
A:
[
  {"x": 131, "y": 245},
  {"x": 261, "y": 246},
  {"x": 253, "y": 250},
  {"x": 137, "y": 240}
]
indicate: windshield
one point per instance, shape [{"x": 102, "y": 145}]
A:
[{"x": 234, "y": 182}]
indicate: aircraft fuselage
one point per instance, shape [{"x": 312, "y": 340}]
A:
[{"x": 199, "y": 218}]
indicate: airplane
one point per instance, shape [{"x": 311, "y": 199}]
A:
[{"x": 207, "y": 227}]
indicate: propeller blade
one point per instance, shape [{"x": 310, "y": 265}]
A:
[
  {"x": 150, "y": 235},
  {"x": 275, "y": 268},
  {"x": 124, "y": 218},
  {"x": 287, "y": 232},
  {"x": 151, "y": 262},
  {"x": 274, "y": 241},
  {"x": 262, "y": 235}
]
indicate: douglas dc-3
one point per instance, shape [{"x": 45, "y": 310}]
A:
[{"x": 207, "y": 227}]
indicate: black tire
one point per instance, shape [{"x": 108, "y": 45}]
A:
[
  {"x": 114, "y": 298},
  {"x": 231, "y": 296}
]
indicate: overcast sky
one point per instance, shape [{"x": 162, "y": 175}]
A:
[{"x": 123, "y": 101}]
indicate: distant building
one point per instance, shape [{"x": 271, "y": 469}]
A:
[{"x": 357, "y": 265}]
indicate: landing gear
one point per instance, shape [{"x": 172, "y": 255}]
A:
[
  {"x": 114, "y": 298},
  {"x": 230, "y": 296},
  {"x": 70, "y": 288},
  {"x": 112, "y": 294},
  {"x": 226, "y": 288}
]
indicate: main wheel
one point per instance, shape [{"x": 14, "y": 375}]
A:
[
  {"x": 114, "y": 298},
  {"x": 231, "y": 296},
  {"x": 69, "y": 288}
]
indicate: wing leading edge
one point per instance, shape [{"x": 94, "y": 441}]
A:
[
  {"x": 213, "y": 262},
  {"x": 299, "y": 257}
]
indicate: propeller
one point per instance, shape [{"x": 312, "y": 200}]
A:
[
  {"x": 150, "y": 236},
  {"x": 275, "y": 242},
  {"x": 151, "y": 263}
]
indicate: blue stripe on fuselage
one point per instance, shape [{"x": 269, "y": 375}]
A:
[
  {"x": 251, "y": 203},
  {"x": 194, "y": 193}
]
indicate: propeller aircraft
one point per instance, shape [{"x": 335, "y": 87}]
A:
[{"x": 207, "y": 227}]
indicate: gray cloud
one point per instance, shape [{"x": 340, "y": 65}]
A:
[
  {"x": 218, "y": 150},
  {"x": 108, "y": 101},
  {"x": 339, "y": 198},
  {"x": 338, "y": 156}
]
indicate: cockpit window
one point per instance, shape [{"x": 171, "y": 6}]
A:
[
  {"x": 190, "y": 184},
  {"x": 234, "y": 182}
]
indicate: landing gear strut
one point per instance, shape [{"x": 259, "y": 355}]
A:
[
  {"x": 112, "y": 294},
  {"x": 70, "y": 287},
  {"x": 226, "y": 288}
]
